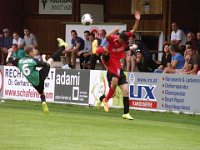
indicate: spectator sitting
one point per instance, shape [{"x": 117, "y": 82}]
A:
[
  {"x": 166, "y": 59},
  {"x": 85, "y": 54},
  {"x": 6, "y": 44},
  {"x": 37, "y": 55},
  {"x": 189, "y": 56},
  {"x": 18, "y": 40},
  {"x": 15, "y": 53},
  {"x": 130, "y": 57},
  {"x": 144, "y": 64},
  {"x": 93, "y": 59},
  {"x": 196, "y": 65},
  {"x": 192, "y": 40},
  {"x": 177, "y": 61},
  {"x": 77, "y": 44}
]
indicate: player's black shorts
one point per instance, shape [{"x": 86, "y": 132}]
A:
[
  {"x": 43, "y": 73},
  {"x": 122, "y": 78}
]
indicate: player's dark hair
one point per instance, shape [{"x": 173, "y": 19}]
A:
[
  {"x": 28, "y": 49},
  {"x": 123, "y": 36}
]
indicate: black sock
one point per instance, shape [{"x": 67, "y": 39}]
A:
[
  {"x": 57, "y": 53},
  {"x": 126, "y": 105},
  {"x": 42, "y": 97},
  {"x": 102, "y": 97}
]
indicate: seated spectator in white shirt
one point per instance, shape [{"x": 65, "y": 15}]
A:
[{"x": 18, "y": 40}]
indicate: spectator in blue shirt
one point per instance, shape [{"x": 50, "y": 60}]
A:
[
  {"x": 77, "y": 44},
  {"x": 6, "y": 43},
  {"x": 177, "y": 62}
]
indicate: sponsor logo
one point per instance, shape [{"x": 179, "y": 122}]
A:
[{"x": 141, "y": 95}]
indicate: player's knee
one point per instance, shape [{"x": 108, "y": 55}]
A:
[{"x": 115, "y": 82}]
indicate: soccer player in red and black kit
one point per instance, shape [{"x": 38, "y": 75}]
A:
[{"x": 112, "y": 55}]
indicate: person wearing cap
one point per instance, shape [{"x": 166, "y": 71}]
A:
[
  {"x": 6, "y": 44},
  {"x": 144, "y": 64}
]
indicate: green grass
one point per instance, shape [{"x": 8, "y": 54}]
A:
[{"x": 23, "y": 126}]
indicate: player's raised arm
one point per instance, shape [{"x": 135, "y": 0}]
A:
[{"x": 137, "y": 17}]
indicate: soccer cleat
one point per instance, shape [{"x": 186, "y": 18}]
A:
[
  {"x": 62, "y": 43},
  {"x": 106, "y": 108},
  {"x": 45, "y": 107},
  {"x": 99, "y": 104},
  {"x": 127, "y": 116}
]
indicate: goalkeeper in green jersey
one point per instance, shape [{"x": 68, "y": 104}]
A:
[{"x": 27, "y": 65}]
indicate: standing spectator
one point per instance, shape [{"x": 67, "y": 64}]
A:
[
  {"x": 178, "y": 37},
  {"x": 6, "y": 44},
  {"x": 77, "y": 44},
  {"x": 18, "y": 40},
  {"x": 84, "y": 55},
  {"x": 166, "y": 59},
  {"x": 30, "y": 38},
  {"x": 177, "y": 61}
]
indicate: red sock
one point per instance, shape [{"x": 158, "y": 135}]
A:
[{"x": 110, "y": 93}]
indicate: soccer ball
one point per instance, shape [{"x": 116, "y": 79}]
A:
[{"x": 86, "y": 19}]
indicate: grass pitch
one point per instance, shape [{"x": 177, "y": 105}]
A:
[{"x": 23, "y": 126}]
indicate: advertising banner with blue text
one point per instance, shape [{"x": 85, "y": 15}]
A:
[{"x": 164, "y": 92}]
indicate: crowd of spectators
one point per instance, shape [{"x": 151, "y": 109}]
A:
[
  {"x": 12, "y": 45},
  {"x": 180, "y": 55}
]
